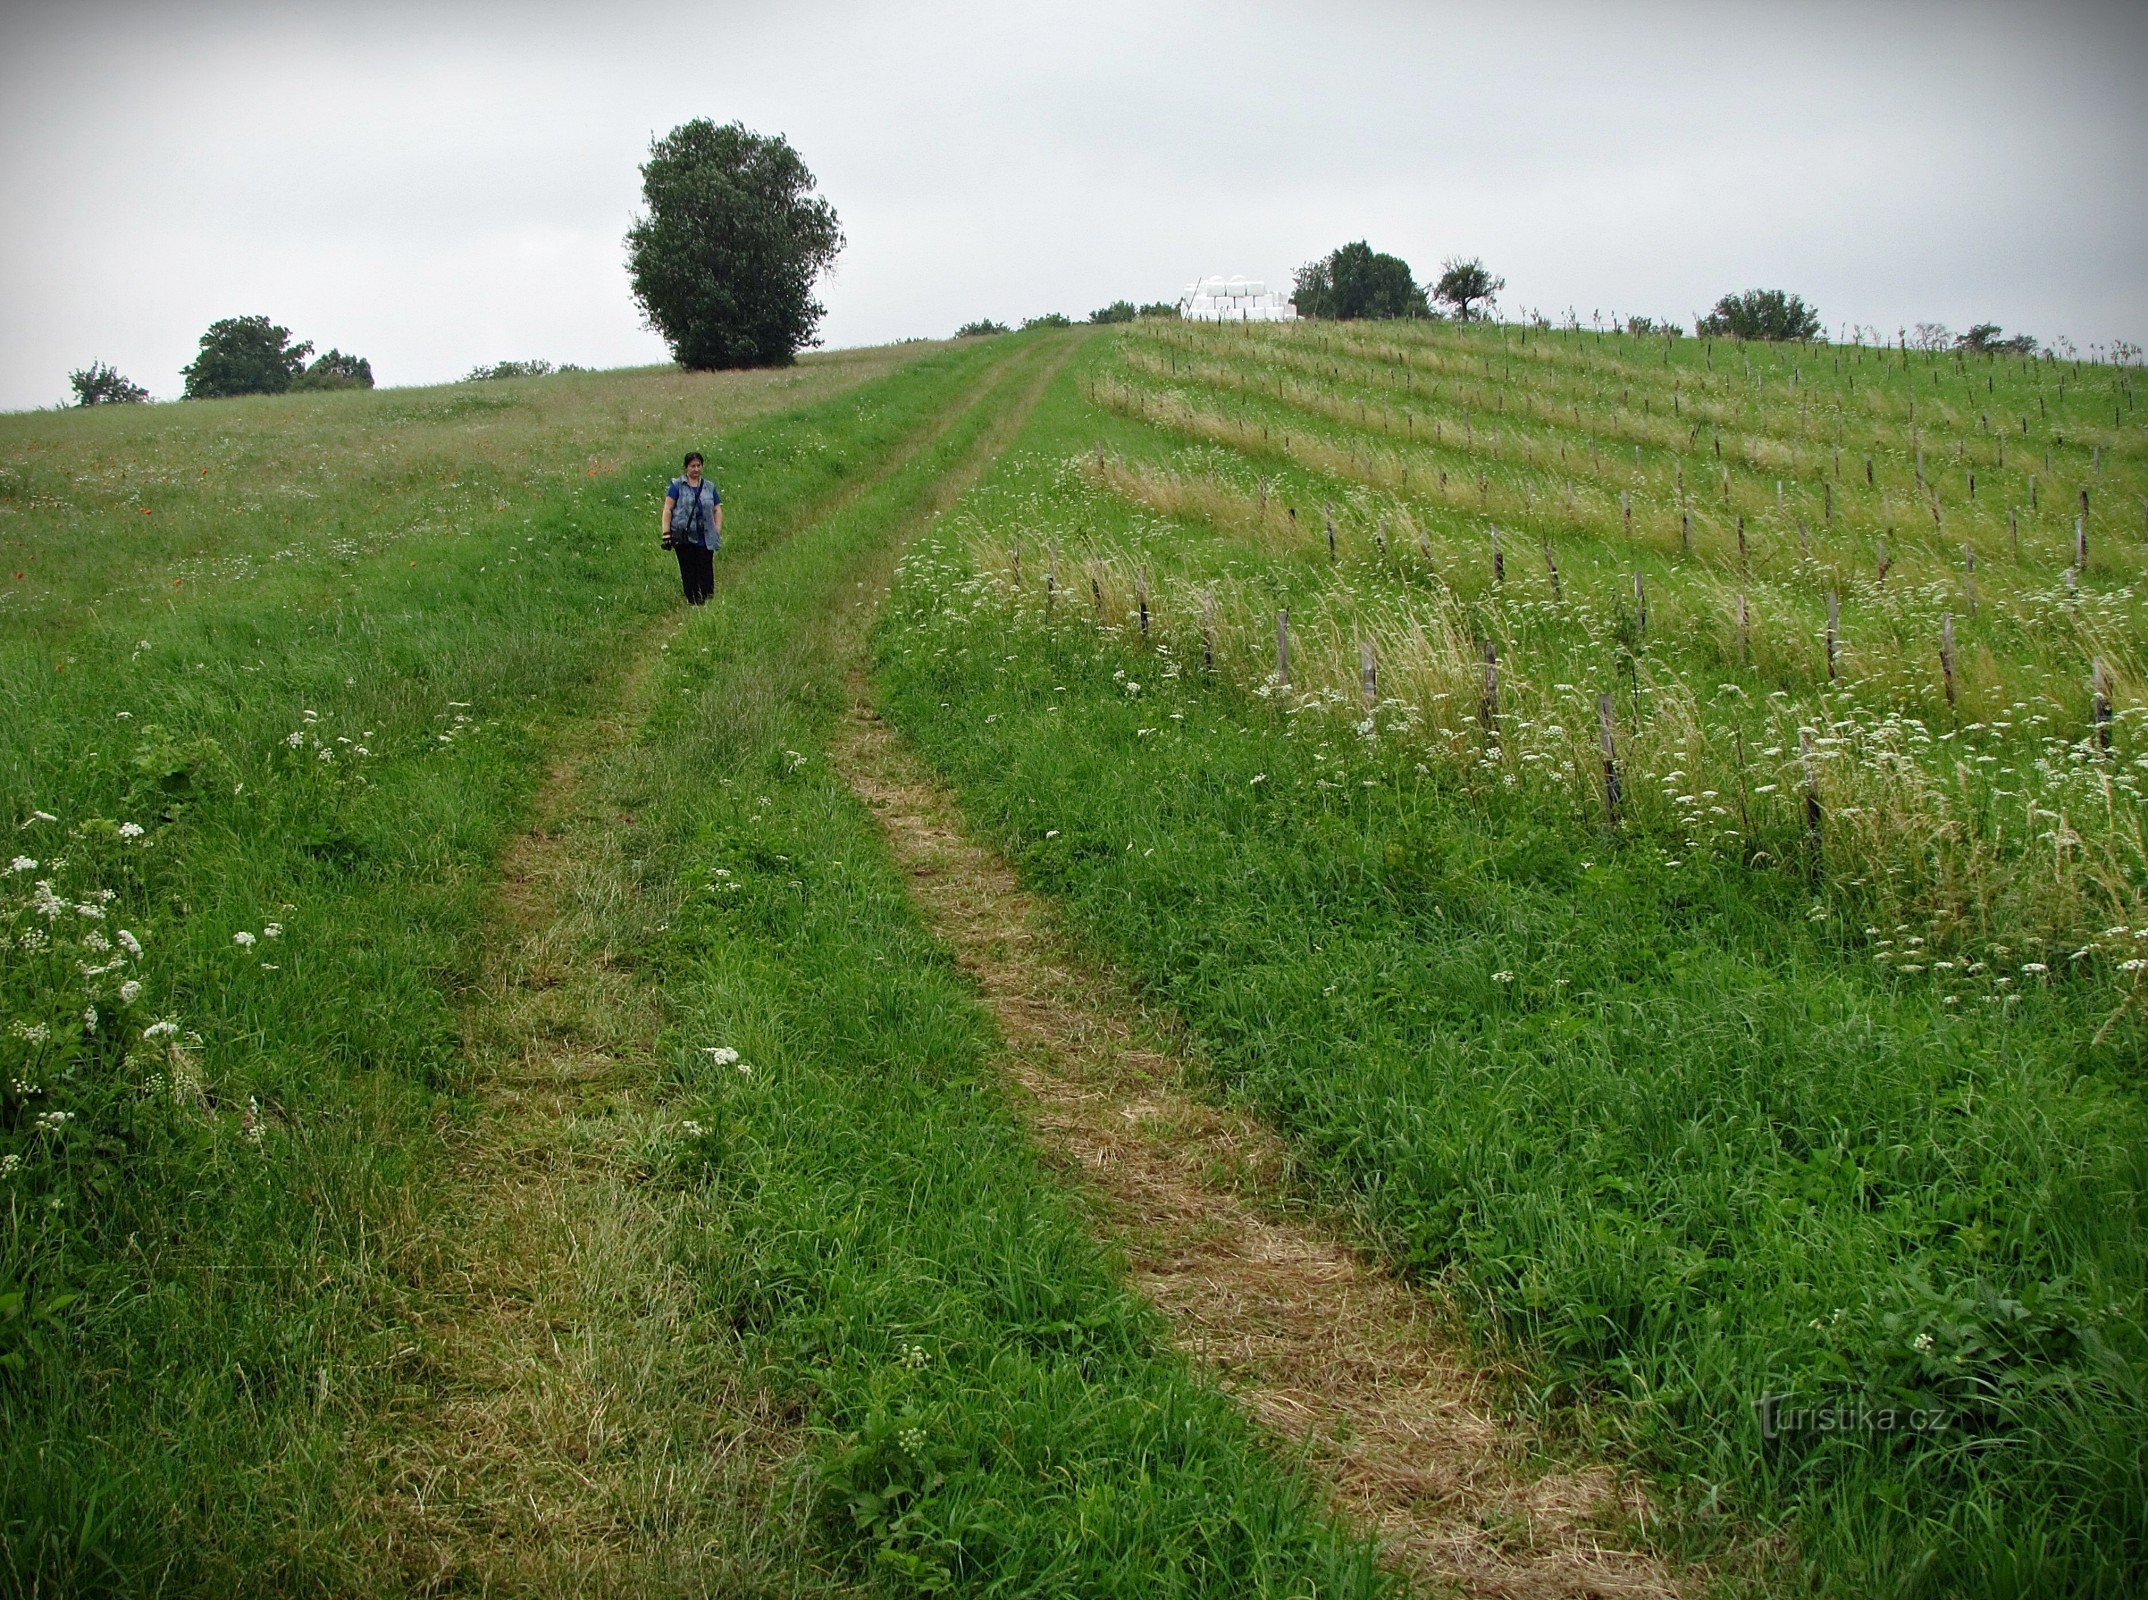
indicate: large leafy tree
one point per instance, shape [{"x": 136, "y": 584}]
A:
[
  {"x": 100, "y": 385},
  {"x": 1465, "y": 285},
  {"x": 1761, "y": 314},
  {"x": 244, "y": 355},
  {"x": 723, "y": 264},
  {"x": 1358, "y": 281}
]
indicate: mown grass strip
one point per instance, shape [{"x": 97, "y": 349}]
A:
[
  {"x": 996, "y": 1413},
  {"x": 330, "y": 763}
]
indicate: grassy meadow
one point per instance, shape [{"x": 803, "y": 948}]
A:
[
  {"x": 262, "y": 777},
  {"x": 1656, "y": 826},
  {"x": 1658, "y": 823}
]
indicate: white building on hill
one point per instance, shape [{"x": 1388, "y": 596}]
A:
[{"x": 1222, "y": 299}]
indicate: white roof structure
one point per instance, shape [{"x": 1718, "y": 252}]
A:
[{"x": 1220, "y": 299}]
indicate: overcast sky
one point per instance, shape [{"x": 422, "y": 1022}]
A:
[{"x": 433, "y": 185}]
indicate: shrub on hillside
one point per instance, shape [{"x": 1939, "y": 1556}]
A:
[
  {"x": 1358, "y": 282},
  {"x": 1761, "y": 314},
  {"x": 1988, "y": 339},
  {"x": 244, "y": 355},
  {"x": 1117, "y": 311},
  {"x": 1463, "y": 285},
  {"x": 723, "y": 264},
  {"x": 1160, "y": 308},
  {"x": 335, "y": 370},
  {"x": 1665, "y": 329},
  {"x": 979, "y": 329},
  {"x": 1050, "y": 319},
  {"x": 99, "y": 385},
  {"x": 508, "y": 369}
]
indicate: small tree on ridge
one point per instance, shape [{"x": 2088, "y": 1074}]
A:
[
  {"x": 1463, "y": 284},
  {"x": 723, "y": 264},
  {"x": 100, "y": 385},
  {"x": 1761, "y": 314},
  {"x": 244, "y": 355},
  {"x": 1358, "y": 281}
]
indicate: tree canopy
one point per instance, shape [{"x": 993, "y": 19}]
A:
[
  {"x": 1761, "y": 314},
  {"x": 335, "y": 370},
  {"x": 1989, "y": 339},
  {"x": 100, "y": 385},
  {"x": 1464, "y": 284},
  {"x": 244, "y": 355},
  {"x": 724, "y": 261},
  {"x": 983, "y": 327},
  {"x": 1357, "y": 281}
]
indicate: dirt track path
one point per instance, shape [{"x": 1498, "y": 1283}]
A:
[
  {"x": 567, "y": 1426},
  {"x": 1320, "y": 1344}
]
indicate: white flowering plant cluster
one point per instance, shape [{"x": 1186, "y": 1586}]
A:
[
  {"x": 78, "y": 1014},
  {"x": 2019, "y": 812}
]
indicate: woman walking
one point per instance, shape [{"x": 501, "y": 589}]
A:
[{"x": 693, "y": 529}]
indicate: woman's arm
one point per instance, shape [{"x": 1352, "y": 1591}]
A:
[{"x": 669, "y": 502}]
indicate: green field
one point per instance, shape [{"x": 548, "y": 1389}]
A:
[
  {"x": 482, "y": 1113},
  {"x": 1730, "y": 1097}
]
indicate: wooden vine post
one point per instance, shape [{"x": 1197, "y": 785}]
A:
[
  {"x": 1488, "y": 710},
  {"x": 1811, "y": 771},
  {"x": 1551, "y": 565},
  {"x": 1640, "y": 606},
  {"x": 1208, "y": 631},
  {"x": 1282, "y": 649},
  {"x": 1605, "y": 727},
  {"x": 1946, "y": 654},
  {"x": 1327, "y": 508},
  {"x": 2101, "y": 684},
  {"x": 1834, "y": 631},
  {"x": 1368, "y": 673},
  {"x": 1499, "y": 561}
]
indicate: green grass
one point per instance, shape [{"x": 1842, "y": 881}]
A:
[
  {"x": 198, "y": 1260},
  {"x": 1684, "y": 1127},
  {"x": 993, "y": 1409},
  {"x": 217, "y": 1263}
]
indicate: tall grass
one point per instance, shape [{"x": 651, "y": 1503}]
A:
[
  {"x": 288, "y": 787},
  {"x": 1671, "y": 1105}
]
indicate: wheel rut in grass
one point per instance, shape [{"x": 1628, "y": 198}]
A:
[
  {"x": 1365, "y": 1374},
  {"x": 568, "y": 1424}
]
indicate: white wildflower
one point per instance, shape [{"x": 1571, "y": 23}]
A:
[
  {"x": 130, "y": 830},
  {"x": 22, "y": 864},
  {"x": 245, "y": 941},
  {"x": 1502, "y": 977},
  {"x": 129, "y": 992},
  {"x": 165, "y": 1029},
  {"x": 130, "y": 944},
  {"x": 272, "y": 930}
]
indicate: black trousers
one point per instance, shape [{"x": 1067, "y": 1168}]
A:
[{"x": 697, "y": 572}]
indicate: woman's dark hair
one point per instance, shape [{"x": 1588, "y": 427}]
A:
[{"x": 691, "y": 457}]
